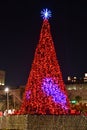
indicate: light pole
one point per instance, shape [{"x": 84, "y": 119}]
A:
[
  {"x": 7, "y": 91},
  {"x": 14, "y": 101}
]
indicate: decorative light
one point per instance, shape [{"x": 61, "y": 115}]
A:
[
  {"x": 45, "y": 91},
  {"x": 53, "y": 90},
  {"x": 28, "y": 95},
  {"x": 45, "y": 14}
]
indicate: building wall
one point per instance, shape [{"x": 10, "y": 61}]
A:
[
  {"x": 2, "y": 77},
  {"x": 77, "y": 90},
  {"x": 44, "y": 122},
  {"x": 14, "y": 98}
]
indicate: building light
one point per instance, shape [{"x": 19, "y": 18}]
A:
[
  {"x": 73, "y": 101},
  {"x": 2, "y": 84},
  {"x": 75, "y": 77},
  {"x": 2, "y": 77},
  {"x": 69, "y": 78},
  {"x": 85, "y": 78},
  {"x": 85, "y": 74},
  {"x": 74, "y": 88}
]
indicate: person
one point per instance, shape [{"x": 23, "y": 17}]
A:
[{"x": 5, "y": 113}]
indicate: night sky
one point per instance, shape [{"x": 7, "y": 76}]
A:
[{"x": 20, "y": 25}]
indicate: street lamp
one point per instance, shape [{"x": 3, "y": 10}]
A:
[{"x": 7, "y": 91}]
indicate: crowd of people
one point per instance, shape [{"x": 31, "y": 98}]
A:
[{"x": 7, "y": 112}]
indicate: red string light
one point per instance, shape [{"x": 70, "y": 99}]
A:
[{"x": 45, "y": 65}]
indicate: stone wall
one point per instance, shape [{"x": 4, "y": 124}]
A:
[{"x": 44, "y": 122}]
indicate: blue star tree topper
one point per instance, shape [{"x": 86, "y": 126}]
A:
[{"x": 46, "y": 14}]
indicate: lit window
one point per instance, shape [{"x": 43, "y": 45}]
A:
[
  {"x": 85, "y": 74},
  {"x": 69, "y": 78},
  {"x": 69, "y": 88},
  {"x": 74, "y": 88}
]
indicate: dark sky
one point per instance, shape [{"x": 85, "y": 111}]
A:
[{"x": 20, "y": 25}]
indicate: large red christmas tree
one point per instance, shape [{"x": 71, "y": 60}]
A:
[{"x": 45, "y": 91}]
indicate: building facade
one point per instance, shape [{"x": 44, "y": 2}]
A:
[
  {"x": 16, "y": 93},
  {"x": 2, "y": 77}
]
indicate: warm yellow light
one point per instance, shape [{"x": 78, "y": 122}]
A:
[
  {"x": 85, "y": 74},
  {"x": 6, "y": 89},
  {"x": 2, "y": 84},
  {"x": 75, "y": 78},
  {"x": 69, "y": 78}
]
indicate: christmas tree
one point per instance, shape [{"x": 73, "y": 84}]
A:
[{"x": 45, "y": 91}]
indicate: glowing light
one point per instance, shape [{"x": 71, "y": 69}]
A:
[
  {"x": 28, "y": 95},
  {"x": 7, "y": 90},
  {"x": 73, "y": 101},
  {"x": 85, "y": 74},
  {"x": 53, "y": 90},
  {"x": 45, "y": 14}
]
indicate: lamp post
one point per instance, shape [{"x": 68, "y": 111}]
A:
[{"x": 7, "y": 91}]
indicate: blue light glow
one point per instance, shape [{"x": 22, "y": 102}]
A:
[
  {"x": 53, "y": 90},
  {"x": 45, "y": 14}
]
